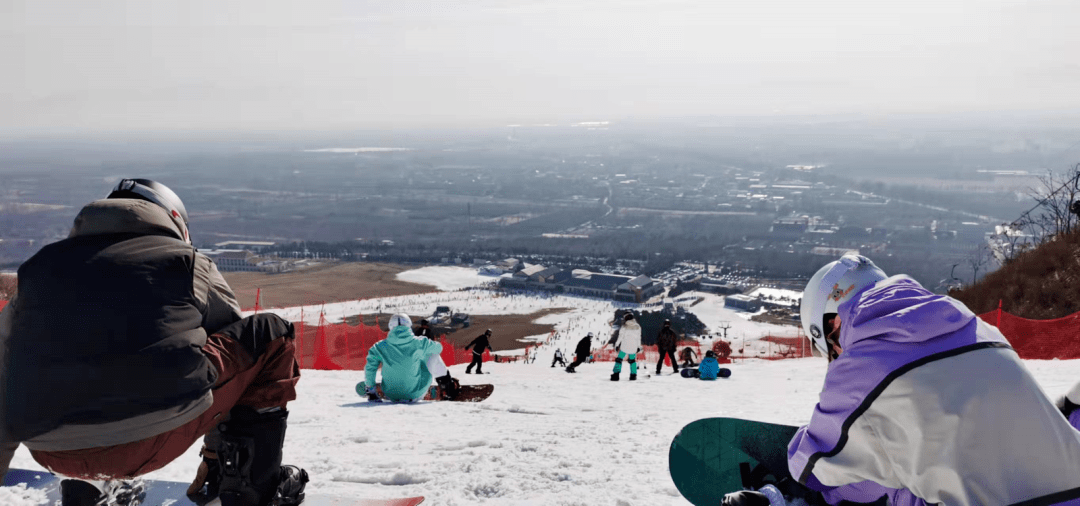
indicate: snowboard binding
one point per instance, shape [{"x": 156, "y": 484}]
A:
[{"x": 112, "y": 493}]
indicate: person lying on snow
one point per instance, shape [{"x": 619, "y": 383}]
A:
[{"x": 923, "y": 403}]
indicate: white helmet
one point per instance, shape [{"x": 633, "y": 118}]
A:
[
  {"x": 832, "y": 285},
  {"x": 400, "y": 319}
]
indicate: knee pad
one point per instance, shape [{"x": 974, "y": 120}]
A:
[
  {"x": 256, "y": 332},
  {"x": 618, "y": 360},
  {"x": 249, "y": 455},
  {"x": 632, "y": 361}
]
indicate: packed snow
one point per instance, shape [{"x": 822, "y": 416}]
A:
[{"x": 544, "y": 437}]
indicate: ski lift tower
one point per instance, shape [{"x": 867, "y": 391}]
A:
[{"x": 724, "y": 325}]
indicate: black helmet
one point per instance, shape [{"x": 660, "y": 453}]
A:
[
  {"x": 488, "y": 331},
  {"x": 628, "y": 316},
  {"x": 153, "y": 191},
  {"x": 423, "y": 321},
  {"x": 710, "y": 354},
  {"x": 667, "y": 322}
]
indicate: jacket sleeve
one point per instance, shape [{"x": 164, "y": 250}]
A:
[
  {"x": 374, "y": 358},
  {"x": 7, "y": 447},
  {"x": 220, "y": 307},
  {"x": 473, "y": 342},
  {"x": 430, "y": 348}
]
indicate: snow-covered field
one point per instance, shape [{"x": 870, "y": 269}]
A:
[{"x": 545, "y": 437}]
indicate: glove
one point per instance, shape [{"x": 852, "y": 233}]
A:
[
  {"x": 745, "y": 498},
  {"x": 372, "y": 395}
]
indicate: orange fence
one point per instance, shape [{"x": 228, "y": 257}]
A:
[
  {"x": 1039, "y": 339},
  {"x": 2, "y": 304},
  {"x": 340, "y": 346}
]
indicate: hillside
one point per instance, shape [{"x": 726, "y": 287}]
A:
[{"x": 1041, "y": 284}]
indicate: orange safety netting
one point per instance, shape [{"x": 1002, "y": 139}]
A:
[
  {"x": 2, "y": 304},
  {"x": 340, "y": 346},
  {"x": 1039, "y": 339}
]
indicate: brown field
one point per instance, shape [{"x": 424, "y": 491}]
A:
[
  {"x": 325, "y": 283},
  {"x": 506, "y": 330}
]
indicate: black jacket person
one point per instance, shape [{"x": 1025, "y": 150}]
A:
[
  {"x": 582, "y": 352},
  {"x": 478, "y": 346},
  {"x": 666, "y": 343}
]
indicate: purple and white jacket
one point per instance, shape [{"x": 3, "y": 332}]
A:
[{"x": 928, "y": 404}]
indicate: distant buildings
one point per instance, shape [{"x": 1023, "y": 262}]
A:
[
  {"x": 239, "y": 260},
  {"x": 583, "y": 282}
]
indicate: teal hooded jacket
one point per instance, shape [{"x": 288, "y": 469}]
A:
[{"x": 403, "y": 357}]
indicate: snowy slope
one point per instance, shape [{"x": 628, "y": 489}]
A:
[{"x": 545, "y": 437}]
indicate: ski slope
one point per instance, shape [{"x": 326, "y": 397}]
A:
[{"x": 544, "y": 437}]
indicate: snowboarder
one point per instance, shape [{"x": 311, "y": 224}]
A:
[
  {"x": 582, "y": 352},
  {"x": 125, "y": 345},
  {"x": 424, "y": 330},
  {"x": 408, "y": 363},
  {"x": 558, "y": 359},
  {"x": 923, "y": 402},
  {"x": 629, "y": 338},
  {"x": 478, "y": 346},
  {"x": 687, "y": 355},
  {"x": 666, "y": 342},
  {"x": 708, "y": 370}
]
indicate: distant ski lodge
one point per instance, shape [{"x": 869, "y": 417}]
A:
[{"x": 583, "y": 282}]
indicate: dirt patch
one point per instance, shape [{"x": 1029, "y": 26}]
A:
[
  {"x": 333, "y": 282},
  {"x": 507, "y": 331}
]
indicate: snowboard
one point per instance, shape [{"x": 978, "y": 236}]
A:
[
  {"x": 468, "y": 393},
  {"x": 692, "y": 372},
  {"x": 174, "y": 493},
  {"x": 712, "y": 457}
]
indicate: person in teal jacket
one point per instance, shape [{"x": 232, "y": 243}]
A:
[{"x": 408, "y": 365}]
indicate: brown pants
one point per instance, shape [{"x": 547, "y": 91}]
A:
[{"x": 267, "y": 382}]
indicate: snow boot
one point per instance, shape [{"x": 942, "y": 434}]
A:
[
  {"x": 208, "y": 478},
  {"x": 249, "y": 454},
  {"x": 570, "y": 369},
  {"x": 112, "y": 493},
  {"x": 449, "y": 388},
  {"x": 290, "y": 489},
  {"x": 633, "y": 377},
  {"x": 614, "y": 376}
]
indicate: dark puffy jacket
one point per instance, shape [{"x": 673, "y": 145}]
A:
[
  {"x": 479, "y": 344},
  {"x": 667, "y": 340},
  {"x": 105, "y": 334},
  {"x": 584, "y": 347},
  {"x": 424, "y": 332}
]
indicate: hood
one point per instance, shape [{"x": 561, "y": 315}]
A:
[
  {"x": 124, "y": 216},
  {"x": 631, "y": 325},
  {"x": 400, "y": 334},
  {"x": 898, "y": 309}
]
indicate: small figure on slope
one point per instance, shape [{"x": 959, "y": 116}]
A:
[
  {"x": 558, "y": 359},
  {"x": 581, "y": 352},
  {"x": 923, "y": 402},
  {"x": 629, "y": 338},
  {"x": 424, "y": 330},
  {"x": 666, "y": 342},
  {"x": 478, "y": 345},
  {"x": 408, "y": 364},
  {"x": 687, "y": 355},
  {"x": 125, "y": 345}
]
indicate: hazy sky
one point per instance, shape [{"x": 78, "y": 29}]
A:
[{"x": 269, "y": 64}]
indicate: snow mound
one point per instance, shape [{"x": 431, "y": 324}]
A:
[{"x": 22, "y": 496}]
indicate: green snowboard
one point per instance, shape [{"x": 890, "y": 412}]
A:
[{"x": 712, "y": 457}]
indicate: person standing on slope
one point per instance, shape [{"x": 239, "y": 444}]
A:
[
  {"x": 424, "y": 330},
  {"x": 558, "y": 358},
  {"x": 923, "y": 402},
  {"x": 478, "y": 346},
  {"x": 124, "y": 346},
  {"x": 408, "y": 363},
  {"x": 629, "y": 339},
  {"x": 666, "y": 342},
  {"x": 582, "y": 352}
]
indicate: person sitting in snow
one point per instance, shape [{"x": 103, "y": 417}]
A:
[
  {"x": 581, "y": 353},
  {"x": 687, "y": 355},
  {"x": 478, "y": 345},
  {"x": 629, "y": 338},
  {"x": 923, "y": 402},
  {"x": 558, "y": 359},
  {"x": 125, "y": 345},
  {"x": 708, "y": 370},
  {"x": 408, "y": 363}
]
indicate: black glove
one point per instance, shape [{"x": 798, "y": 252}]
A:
[{"x": 745, "y": 498}]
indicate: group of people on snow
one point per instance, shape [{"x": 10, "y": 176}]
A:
[{"x": 138, "y": 345}]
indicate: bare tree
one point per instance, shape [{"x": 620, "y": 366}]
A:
[
  {"x": 1051, "y": 216},
  {"x": 979, "y": 259}
]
